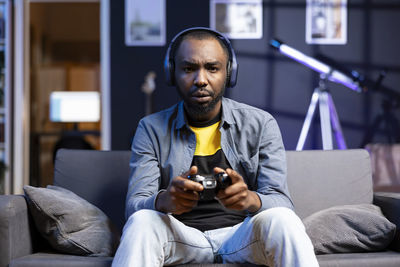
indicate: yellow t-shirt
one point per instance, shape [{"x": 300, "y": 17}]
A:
[{"x": 208, "y": 139}]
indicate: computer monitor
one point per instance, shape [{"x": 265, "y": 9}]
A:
[{"x": 72, "y": 106}]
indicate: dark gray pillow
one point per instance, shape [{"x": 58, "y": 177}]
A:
[
  {"x": 349, "y": 228},
  {"x": 70, "y": 223}
]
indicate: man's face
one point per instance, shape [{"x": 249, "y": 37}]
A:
[{"x": 200, "y": 75}]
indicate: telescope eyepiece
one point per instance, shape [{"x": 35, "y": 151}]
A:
[{"x": 275, "y": 43}]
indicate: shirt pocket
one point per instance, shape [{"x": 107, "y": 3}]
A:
[{"x": 250, "y": 167}]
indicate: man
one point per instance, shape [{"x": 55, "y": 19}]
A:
[{"x": 249, "y": 221}]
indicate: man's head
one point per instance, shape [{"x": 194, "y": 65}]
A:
[
  {"x": 200, "y": 35},
  {"x": 202, "y": 63}
]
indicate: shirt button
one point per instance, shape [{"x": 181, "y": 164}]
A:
[{"x": 217, "y": 258}]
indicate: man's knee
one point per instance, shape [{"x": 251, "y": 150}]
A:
[
  {"x": 144, "y": 220},
  {"x": 279, "y": 218}
]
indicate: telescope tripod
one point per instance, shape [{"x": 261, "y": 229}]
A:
[
  {"x": 391, "y": 126},
  {"x": 328, "y": 118}
]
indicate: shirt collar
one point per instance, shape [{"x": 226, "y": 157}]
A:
[
  {"x": 227, "y": 112},
  {"x": 181, "y": 120}
]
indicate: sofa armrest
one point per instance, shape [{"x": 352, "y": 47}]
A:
[
  {"x": 15, "y": 231},
  {"x": 390, "y": 206}
]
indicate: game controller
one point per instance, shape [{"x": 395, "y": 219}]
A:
[{"x": 211, "y": 183}]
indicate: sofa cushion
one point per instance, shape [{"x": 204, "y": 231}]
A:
[
  {"x": 321, "y": 179},
  {"x": 370, "y": 259},
  {"x": 349, "y": 228},
  {"x": 48, "y": 259},
  {"x": 71, "y": 224}
]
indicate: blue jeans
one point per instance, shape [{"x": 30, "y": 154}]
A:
[{"x": 274, "y": 237}]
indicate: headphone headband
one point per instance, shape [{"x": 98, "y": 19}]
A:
[{"x": 169, "y": 64}]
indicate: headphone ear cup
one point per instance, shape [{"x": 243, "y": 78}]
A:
[
  {"x": 232, "y": 72},
  {"x": 169, "y": 70},
  {"x": 228, "y": 74},
  {"x": 172, "y": 72}
]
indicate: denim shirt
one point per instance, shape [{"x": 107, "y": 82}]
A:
[{"x": 163, "y": 148}]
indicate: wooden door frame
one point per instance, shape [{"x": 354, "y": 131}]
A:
[{"x": 21, "y": 82}]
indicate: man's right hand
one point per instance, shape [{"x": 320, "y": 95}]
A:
[{"x": 181, "y": 195}]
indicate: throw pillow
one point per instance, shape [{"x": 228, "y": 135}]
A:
[
  {"x": 71, "y": 224},
  {"x": 349, "y": 228}
]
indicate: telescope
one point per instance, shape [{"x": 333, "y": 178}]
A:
[
  {"x": 352, "y": 79},
  {"x": 353, "y": 82},
  {"x": 321, "y": 97}
]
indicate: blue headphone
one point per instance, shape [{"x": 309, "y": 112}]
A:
[{"x": 169, "y": 65}]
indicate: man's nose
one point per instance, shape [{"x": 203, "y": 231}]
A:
[{"x": 201, "y": 78}]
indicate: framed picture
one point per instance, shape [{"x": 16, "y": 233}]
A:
[
  {"x": 145, "y": 22},
  {"x": 237, "y": 19},
  {"x": 326, "y": 22}
]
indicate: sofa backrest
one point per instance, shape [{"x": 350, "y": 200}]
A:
[
  {"x": 317, "y": 179},
  {"x": 100, "y": 177}
]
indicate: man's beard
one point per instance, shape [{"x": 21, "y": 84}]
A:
[{"x": 197, "y": 111}]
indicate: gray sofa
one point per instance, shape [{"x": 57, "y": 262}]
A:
[{"x": 317, "y": 180}]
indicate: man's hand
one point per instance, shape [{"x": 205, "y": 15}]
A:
[
  {"x": 181, "y": 195},
  {"x": 237, "y": 196}
]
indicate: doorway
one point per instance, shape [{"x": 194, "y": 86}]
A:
[{"x": 64, "y": 56}]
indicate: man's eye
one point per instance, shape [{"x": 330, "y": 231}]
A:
[
  {"x": 187, "y": 69},
  {"x": 213, "y": 69}
]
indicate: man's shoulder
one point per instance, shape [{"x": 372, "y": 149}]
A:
[
  {"x": 163, "y": 115},
  {"x": 244, "y": 111}
]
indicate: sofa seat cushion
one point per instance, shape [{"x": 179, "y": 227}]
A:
[
  {"x": 220, "y": 265},
  {"x": 370, "y": 259},
  {"x": 61, "y": 260}
]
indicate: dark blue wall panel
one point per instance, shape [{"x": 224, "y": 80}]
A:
[{"x": 267, "y": 79}]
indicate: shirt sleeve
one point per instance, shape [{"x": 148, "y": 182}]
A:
[
  {"x": 144, "y": 177},
  {"x": 271, "y": 181}
]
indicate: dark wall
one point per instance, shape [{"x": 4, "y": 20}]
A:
[
  {"x": 266, "y": 79},
  {"x": 129, "y": 65}
]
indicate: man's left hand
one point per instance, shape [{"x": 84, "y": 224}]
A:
[{"x": 237, "y": 196}]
